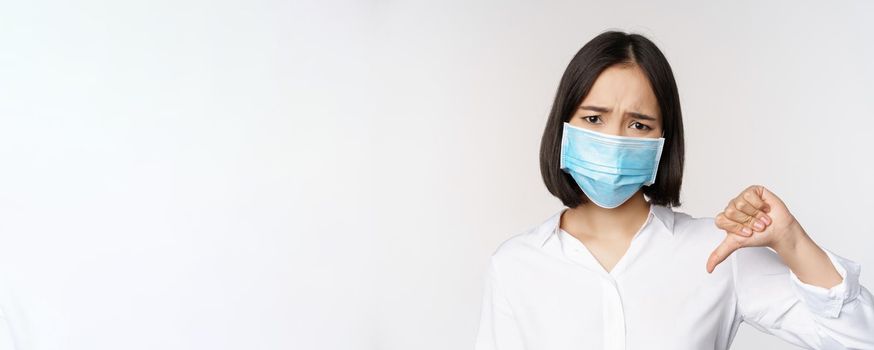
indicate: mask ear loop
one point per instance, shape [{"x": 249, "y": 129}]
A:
[{"x": 663, "y": 136}]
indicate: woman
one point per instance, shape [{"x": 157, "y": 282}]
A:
[{"x": 617, "y": 268}]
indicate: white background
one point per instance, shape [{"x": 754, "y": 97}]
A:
[{"x": 334, "y": 175}]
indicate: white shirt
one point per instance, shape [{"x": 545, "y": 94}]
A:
[{"x": 544, "y": 290}]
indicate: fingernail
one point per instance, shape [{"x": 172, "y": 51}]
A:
[
  {"x": 747, "y": 231},
  {"x": 759, "y": 225},
  {"x": 766, "y": 220}
]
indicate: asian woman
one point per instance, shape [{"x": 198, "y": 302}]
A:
[{"x": 619, "y": 268}]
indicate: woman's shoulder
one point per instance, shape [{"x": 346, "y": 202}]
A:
[
  {"x": 687, "y": 226},
  {"x": 684, "y": 221},
  {"x": 528, "y": 240}
]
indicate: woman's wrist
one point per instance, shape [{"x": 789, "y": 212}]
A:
[
  {"x": 806, "y": 259},
  {"x": 789, "y": 243}
]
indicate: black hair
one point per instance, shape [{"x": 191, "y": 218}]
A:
[{"x": 605, "y": 50}]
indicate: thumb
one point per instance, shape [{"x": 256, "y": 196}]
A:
[{"x": 728, "y": 246}]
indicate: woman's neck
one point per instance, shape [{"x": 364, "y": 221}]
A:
[{"x": 622, "y": 222}]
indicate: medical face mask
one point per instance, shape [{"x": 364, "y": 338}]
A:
[{"x": 609, "y": 169}]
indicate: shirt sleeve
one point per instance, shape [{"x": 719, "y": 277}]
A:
[
  {"x": 773, "y": 300},
  {"x": 497, "y": 327}
]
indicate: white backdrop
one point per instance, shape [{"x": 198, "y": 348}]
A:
[{"x": 334, "y": 175}]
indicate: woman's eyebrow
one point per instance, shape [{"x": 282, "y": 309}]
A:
[
  {"x": 605, "y": 110},
  {"x": 642, "y": 116}
]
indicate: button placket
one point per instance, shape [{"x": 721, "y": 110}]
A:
[{"x": 613, "y": 315}]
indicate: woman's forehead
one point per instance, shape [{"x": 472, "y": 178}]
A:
[{"x": 626, "y": 86}]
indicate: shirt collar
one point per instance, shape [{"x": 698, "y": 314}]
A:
[{"x": 550, "y": 227}]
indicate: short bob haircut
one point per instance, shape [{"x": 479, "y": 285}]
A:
[{"x": 607, "y": 49}]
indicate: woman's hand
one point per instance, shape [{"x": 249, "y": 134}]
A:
[{"x": 755, "y": 218}]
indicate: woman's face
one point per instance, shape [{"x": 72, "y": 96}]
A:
[{"x": 622, "y": 103}]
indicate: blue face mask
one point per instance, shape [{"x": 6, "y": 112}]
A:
[{"x": 609, "y": 169}]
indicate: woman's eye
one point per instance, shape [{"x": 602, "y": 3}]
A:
[
  {"x": 594, "y": 119},
  {"x": 639, "y": 126}
]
